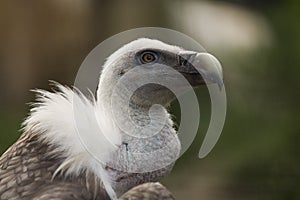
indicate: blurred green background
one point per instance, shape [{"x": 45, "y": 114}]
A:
[{"x": 258, "y": 43}]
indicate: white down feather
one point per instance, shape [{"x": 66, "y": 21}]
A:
[{"x": 67, "y": 119}]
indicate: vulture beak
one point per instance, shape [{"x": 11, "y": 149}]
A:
[{"x": 199, "y": 68}]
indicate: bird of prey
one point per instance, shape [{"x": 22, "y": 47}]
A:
[{"x": 50, "y": 161}]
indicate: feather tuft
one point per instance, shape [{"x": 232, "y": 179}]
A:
[{"x": 78, "y": 127}]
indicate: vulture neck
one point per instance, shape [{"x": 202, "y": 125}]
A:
[{"x": 141, "y": 111}]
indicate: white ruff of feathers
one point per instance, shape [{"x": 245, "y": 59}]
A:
[{"x": 53, "y": 119}]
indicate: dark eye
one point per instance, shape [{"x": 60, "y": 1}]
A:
[{"x": 148, "y": 57}]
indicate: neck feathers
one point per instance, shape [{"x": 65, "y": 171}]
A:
[{"x": 62, "y": 118}]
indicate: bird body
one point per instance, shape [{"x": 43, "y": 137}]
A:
[
  {"x": 51, "y": 159},
  {"x": 43, "y": 162}
]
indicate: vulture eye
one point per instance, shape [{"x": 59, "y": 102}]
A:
[{"x": 148, "y": 57}]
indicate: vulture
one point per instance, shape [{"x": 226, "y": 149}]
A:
[{"x": 61, "y": 153}]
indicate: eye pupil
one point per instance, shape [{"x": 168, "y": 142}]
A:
[{"x": 149, "y": 57}]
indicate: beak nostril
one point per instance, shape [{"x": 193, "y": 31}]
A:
[
  {"x": 183, "y": 62},
  {"x": 186, "y": 57}
]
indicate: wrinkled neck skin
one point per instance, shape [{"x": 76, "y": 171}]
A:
[
  {"x": 151, "y": 94},
  {"x": 118, "y": 106},
  {"x": 150, "y": 145},
  {"x": 144, "y": 110}
]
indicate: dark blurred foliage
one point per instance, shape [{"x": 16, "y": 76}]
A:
[
  {"x": 271, "y": 95},
  {"x": 257, "y": 156}
]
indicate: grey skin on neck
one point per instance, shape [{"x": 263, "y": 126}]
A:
[{"x": 148, "y": 153}]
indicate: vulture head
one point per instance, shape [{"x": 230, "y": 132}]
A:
[{"x": 157, "y": 61}]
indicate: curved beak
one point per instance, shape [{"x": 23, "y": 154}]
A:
[{"x": 199, "y": 68}]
